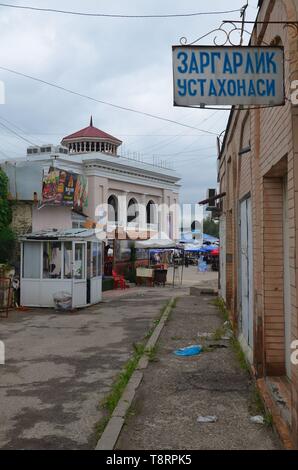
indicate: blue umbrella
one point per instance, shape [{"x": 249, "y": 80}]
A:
[
  {"x": 204, "y": 249},
  {"x": 209, "y": 238},
  {"x": 194, "y": 249}
]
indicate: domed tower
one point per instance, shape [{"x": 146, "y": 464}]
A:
[{"x": 91, "y": 139}]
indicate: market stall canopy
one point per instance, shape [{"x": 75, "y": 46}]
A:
[
  {"x": 210, "y": 238},
  {"x": 187, "y": 237},
  {"x": 192, "y": 248},
  {"x": 208, "y": 248},
  {"x": 160, "y": 240},
  {"x": 67, "y": 234}
]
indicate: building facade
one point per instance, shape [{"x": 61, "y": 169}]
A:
[{"x": 258, "y": 173}]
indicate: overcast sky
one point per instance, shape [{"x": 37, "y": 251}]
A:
[{"x": 123, "y": 61}]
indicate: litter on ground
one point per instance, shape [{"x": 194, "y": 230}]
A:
[
  {"x": 257, "y": 419},
  {"x": 189, "y": 350},
  {"x": 205, "y": 335},
  {"x": 207, "y": 419}
]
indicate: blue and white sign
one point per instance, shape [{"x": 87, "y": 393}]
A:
[{"x": 208, "y": 75}]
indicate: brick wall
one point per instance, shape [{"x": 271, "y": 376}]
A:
[{"x": 273, "y": 138}]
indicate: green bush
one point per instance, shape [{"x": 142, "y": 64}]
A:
[
  {"x": 211, "y": 227},
  {"x": 7, "y": 244},
  {"x": 7, "y": 235}
]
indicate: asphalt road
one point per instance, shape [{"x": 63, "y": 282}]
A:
[{"x": 60, "y": 366}]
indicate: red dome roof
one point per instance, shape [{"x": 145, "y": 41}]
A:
[{"x": 92, "y": 132}]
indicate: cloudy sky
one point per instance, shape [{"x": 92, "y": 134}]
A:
[{"x": 122, "y": 61}]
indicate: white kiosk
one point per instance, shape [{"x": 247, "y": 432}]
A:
[{"x": 61, "y": 260}]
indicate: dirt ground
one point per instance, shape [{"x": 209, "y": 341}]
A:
[{"x": 176, "y": 390}]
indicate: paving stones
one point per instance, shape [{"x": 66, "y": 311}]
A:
[{"x": 175, "y": 391}]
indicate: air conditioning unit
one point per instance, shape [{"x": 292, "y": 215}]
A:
[
  {"x": 61, "y": 149},
  {"x": 33, "y": 150}
]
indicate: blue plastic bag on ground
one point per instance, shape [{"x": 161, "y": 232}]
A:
[{"x": 189, "y": 351}]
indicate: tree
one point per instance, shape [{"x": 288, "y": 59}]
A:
[
  {"x": 7, "y": 235},
  {"x": 211, "y": 227}
]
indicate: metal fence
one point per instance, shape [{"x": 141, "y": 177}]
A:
[{"x": 6, "y": 296}]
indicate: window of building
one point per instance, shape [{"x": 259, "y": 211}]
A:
[
  {"x": 151, "y": 213},
  {"x": 31, "y": 260},
  {"x": 67, "y": 260},
  {"x": 96, "y": 259},
  {"x": 52, "y": 260},
  {"x": 79, "y": 261},
  {"x": 78, "y": 223},
  {"x": 132, "y": 211}
]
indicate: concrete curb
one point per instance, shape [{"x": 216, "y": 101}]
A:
[
  {"x": 112, "y": 430},
  {"x": 279, "y": 423}
]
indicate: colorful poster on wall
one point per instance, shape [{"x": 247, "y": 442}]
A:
[{"x": 63, "y": 188}]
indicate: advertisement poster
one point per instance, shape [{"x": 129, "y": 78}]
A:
[{"x": 62, "y": 188}]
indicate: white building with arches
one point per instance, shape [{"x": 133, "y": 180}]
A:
[{"x": 142, "y": 198}]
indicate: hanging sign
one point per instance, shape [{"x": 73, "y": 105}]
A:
[{"x": 225, "y": 75}]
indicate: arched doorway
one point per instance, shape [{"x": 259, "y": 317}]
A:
[{"x": 151, "y": 217}]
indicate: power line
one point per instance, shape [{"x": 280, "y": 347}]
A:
[
  {"x": 106, "y": 15},
  {"x": 17, "y": 127},
  {"x": 167, "y": 142},
  {"x": 185, "y": 115},
  {"x": 143, "y": 113},
  {"x": 195, "y": 151},
  {"x": 17, "y": 134},
  {"x": 196, "y": 159}
]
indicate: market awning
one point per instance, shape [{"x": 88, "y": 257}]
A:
[
  {"x": 192, "y": 248},
  {"x": 160, "y": 240}
]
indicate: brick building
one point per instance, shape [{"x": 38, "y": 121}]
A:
[{"x": 258, "y": 171}]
